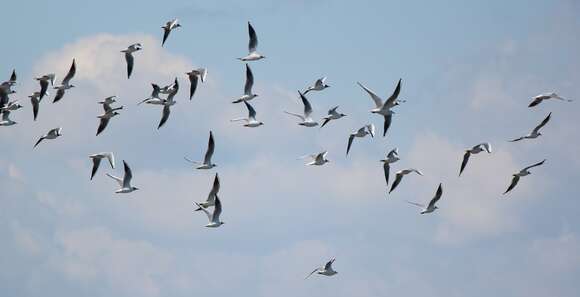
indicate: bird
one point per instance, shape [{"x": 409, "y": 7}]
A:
[
  {"x": 65, "y": 84},
  {"x": 109, "y": 100},
  {"x": 431, "y": 207},
  {"x": 253, "y": 55},
  {"x": 214, "y": 218},
  {"x": 332, "y": 115},
  {"x": 206, "y": 164},
  {"x": 516, "y": 176},
  {"x": 129, "y": 57},
  {"x": 6, "y": 121},
  {"x": 536, "y": 132},
  {"x": 384, "y": 108},
  {"x": 124, "y": 183},
  {"x": 210, "y": 201},
  {"x": 96, "y": 158},
  {"x": 154, "y": 98},
  {"x": 251, "y": 121},
  {"x": 248, "y": 95},
  {"x": 306, "y": 119},
  {"x": 399, "y": 176},
  {"x": 12, "y": 106},
  {"x": 167, "y": 103},
  {"x": 474, "y": 150},
  {"x": 195, "y": 75},
  {"x": 35, "y": 101},
  {"x": 7, "y": 85},
  {"x": 392, "y": 157},
  {"x": 326, "y": 270},
  {"x": 44, "y": 80},
  {"x": 52, "y": 134},
  {"x": 361, "y": 132},
  {"x": 170, "y": 25},
  {"x": 319, "y": 85},
  {"x": 317, "y": 159},
  {"x": 109, "y": 113},
  {"x": 539, "y": 98},
  {"x": 170, "y": 88}
]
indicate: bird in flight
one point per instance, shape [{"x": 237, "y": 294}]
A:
[
  {"x": 540, "y": 98},
  {"x": 536, "y": 132},
  {"x": 248, "y": 95},
  {"x": 210, "y": 201},
  {"x": 167, "y": 28},
  {"x": 124, "y": 183},
  {"x": 105, "y": 117},
  {"x": 194, "y": 76},
  {"x": 253, "y": 55},
  {"x": 326, "y": 270},
  {"x": 65, "y": 84},
  {"x": 392, "y": 157},
  {"x": 317, "y": 159},
  {"x": 474, "y": 150},
  {"x": 319, "y": 85},
  {"x": 332, "y": 115},
  {"x": 361, "y": 132},
  {"x": 307, "y": 121},
  {"x": 52, "y": 134},
  {"x": 399, "y": 177},
  {"x": 524, "y": 172},
  {"x": 129, "y": 57},
  {"x": 214, "y": 217},
  {"x": 206, "y": 164},
  {"x": 251, "y": 121},
  {"x": 431, "y": 207},
  {"x": 96, "y": 158},
  {"x": 384, "y": 108}
]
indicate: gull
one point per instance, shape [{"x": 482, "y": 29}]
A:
[
  {"x": 7, "y": 85},
  {"x": 154, "y": 98},
  {"x": 109, "y": 100},
  {"x": 170, "y": 25},
  {"x": 167, "y": 103},
  {"x": 129, "y": 57},
  {"x": 65, "y": 84},
  {"x": 35, "y": 101},
  {"x": 431, "y": 207},
  {"x": 195, "y": 75},
  {"x": 168, "y": 89},
  {"x": 474, "y": 150},
  {"x": 538, "y": 99},
  {"x": 214, "y": 218},
  {"x": 523, "y": 172},
  {"x": 326, "y": 270},
  {"x": 306, "y": 119},
  {"x": 44, "y": 80},
  {"x": 210, "y": 201},
  {"x": 399, "y": 176},
  {"x": 332, "y": 115},
  {"x": 96, "y": 158},
  {"x": 362, "y": 132},
  {"x": 317, "y": 159},
  {"x": 392, "y": 157},
  {"x": 109, "y": 113},
  {"x": 12, "y": 106},
  {"x": 125, "y": 183},
  {"x": 52, "y": 134},
  {"x": 248, "y": 95},
  {"x": 384, "y": 108},
  {"x": 536, "y": 132},
  {"x": 6, "y": 121},
  {"x": 253, "y": 55},
  {"x": 251, "y": 121},
  {"x": 319, "y": 85},
  {"x": 206, "y": 164}
]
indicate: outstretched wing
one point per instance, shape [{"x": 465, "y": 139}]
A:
[
  {"x": 350, "y": 139},
  {"x": 164, "y": 115},
  {"x": 253, "y": 43},
  {"x": 378, "y": 101},
  {"x": 542, "y": 124},
  {"x": 512, "y": 185},
  {"x": 118, "y": 179},
  {"x": 307, "y": 106},
  {"x": 251, "y": 110},
  {"x": 102, "y": 125},
  {"x": 210, "y": 149},
  {"x": 398, "y": 178},
  {"x": 464, "y": 162},
  {"x": 395, "y": 94},
  {"x": 128, "y": 175},
  {"x": 71, "y": 73},
  {"x": 437, "y": 196},
  {"x": 386, "y": 169},
  {"x": 130, "y": 60},
  {"x": 193, "y": 79},
  {"x": 96, "y": 162},
  {"x": 296, "y": 115},
  {"x": 387, "y": 124},
  {"x": 534, "y": 165}
]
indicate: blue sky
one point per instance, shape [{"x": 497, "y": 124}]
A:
[{"x": 468, "y": 69}]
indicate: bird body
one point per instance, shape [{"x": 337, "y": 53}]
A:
[
  {"x": 248, "y": 94},
  {"x": 167, "y": 28},
  {"x": 319, "y": 85},
  {"x": 482, "y": 147},
  {"x": 129, "y": 57},
  {"x": 332, "y": 115}
]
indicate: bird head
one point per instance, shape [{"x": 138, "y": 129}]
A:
[
  {"x": 261, "y": 123},
  {"x": 134, "y": 188},
  {"x": 342, "y": 115}
]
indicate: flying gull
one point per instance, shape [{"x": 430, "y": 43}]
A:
[
  {"x": 96, "y": 158},
  {"x": 319, "y": 85},
  {"x": 206, "y": 164},
  {"x": 170, "y": 25},
  {"x": 253, "y": 55},
  {"x": 124, "y": 183},
  {"x": 194, "y": 76},
  {"x": 214, "y": 218},
  {"x": 306, "y": 119},
  {"x": 251, "y": 119},
  {"x": 362, "y": 132},
  {"x": 65, "y": 84},
  {"x": 105, "y": 117},
  {"x": 399, "y": 177},
  {"x": 317, "y": 159},
  {"x": 536, "y": 132},
  {"x": 332, "y": 115},
  {"x": 538, "y": 99},
  {"x": 167, "y": 103},
  {"x": 210, "y": 201},
  {"x": 518, "y": 175},
  {"x": 431, "y": 207},
  {"x": 392, "y": 157},
  {"x": 384, "y": 108},
  {"x": 248, "y": 95},
  {"x": 129, "y": 57},
  {"x": 52, "y": 134},
  {"x": 326, "y": 270},
  {"x": 44, "y": 80}
]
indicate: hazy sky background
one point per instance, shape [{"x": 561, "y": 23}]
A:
[{"x": 468, "y": 69}]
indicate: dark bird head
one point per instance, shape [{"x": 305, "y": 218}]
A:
[{"x": 134, "y": 188}]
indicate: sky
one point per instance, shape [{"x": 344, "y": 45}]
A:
[{"x": 468, "y": 72}]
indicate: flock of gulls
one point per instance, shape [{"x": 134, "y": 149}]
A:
[{"x": 165, "y": 97}]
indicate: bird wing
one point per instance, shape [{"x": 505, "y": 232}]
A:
[
  {"x": 542, "y": 124},
  {"x": 217, "y": 210},
  {"x": 215, "y": 188},
  {"x": 193, "y": 79},
  {"x": 517, "y": 139},
  {"x": 128, "y": 176},
  {"x": 102, "y": 125},
  {"x": 395, "y": 94},
  {"x": 71, "y": 73},
  {"x": 416, "y": 204},
  {"x": 328, "y": 265},
  {"x": 118, "y": 179},
  {"x": 377, "y": 99},
  {"x": 249, "y": 80},
  {"x": 350, "y": 139},
  {"x": 325, "y": 122},
  {"x": 537, "y": 164},
  {"x": 39, "y": 140},
  {"x": 311, "y": 273},
  {"x": 204, "y": 210},
  {"x": 13, "y": 76},
  {"x": 464, "y": 162},
  {"x": 35, "y": 106},
  {"x": 253, "y": 43},
  {"x": 371, "y": 129},
  {"x": 59, "y": 95},
  {"x": 398, "y": 178},
  {"x": 514, "y": 182},
  {"x": 307, "y": 106},
  {"x": 332, "y": 110},
  {"x": 164, "y": 115},
  {"x": 393, "y": 153},
  {"x": 210, "y": 149},
  {"x": 536, "y": 101},
  {"x": 166, "y": 31},
  {"x": 437, "y": 196},
  {"x": 130, "y": 60},
  {"x": 296, "y": 115},
  {"x": 486, "y": 146},
  {"x": 111, "y": 158},
  {"x": 43, "y": 88},
  {"x": 387, "y": 124},
  {"x": 386, "y": 169},
  {"x": 96, "y": 162},
  {"x": 251, "y": 110}
]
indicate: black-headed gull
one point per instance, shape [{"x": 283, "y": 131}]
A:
[
  {"x": 319, "y": 85},
  {"x": 516, "y": 176},
  {"x": 431, "y": 207},
  {"x": 536, "y": 132},
  {"x": 384, "y": 108},
  {"x": 317, "y": 159},
  {"x": 326, "y": 270},
  {"x": 307, "y": 121},
  {"x": 129, "y": 57},
  {"x": 332, "y": 115},
  {"x": 399, "y": 177},
  {"x": 167, "y": 103},
  {"x": 248, "y": 95},
  {"x": 474, "y": 150},
  {"x": 251, "y": 119},
  {"x": 52, "y": 134},
  {"x": 539, "y": 98},
  {"x": 170, "y": 25},
  {"x": 210, "y": 201},
  {"x": 125, "y": 183},
  {"x": 35, "y": 101},
  {"x": 44, "y": 80},
  {"x": 253, "y": 55},
  {"x": 206, "y": 164},
  {"x": 214, "y": 217},
  {"x": 392, "y": 157},
  {"x": 96, "y": 158},
  {"x": 361, "y": 132},
  {"x": 105, "y": 117},
  {"x": 194, "y": 76},
  {"x": 154, "y": 98},
  {"x": 65, "y": 84}
]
